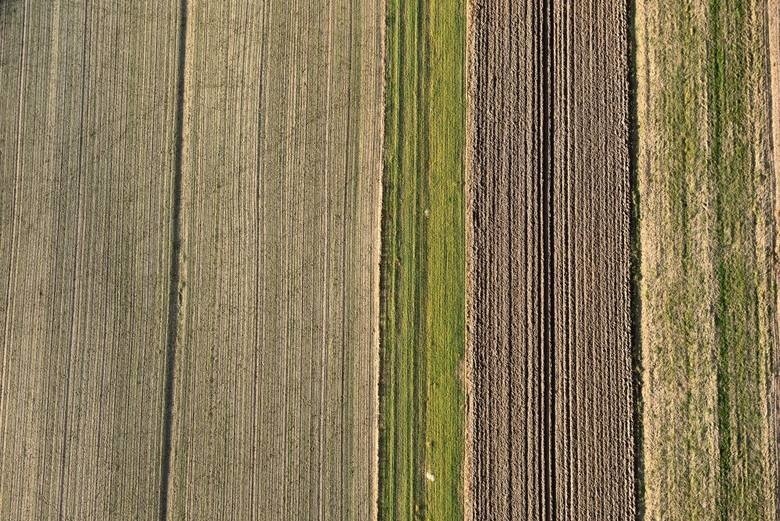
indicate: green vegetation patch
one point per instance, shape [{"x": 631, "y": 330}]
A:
[{"x": 423, "y": 264}]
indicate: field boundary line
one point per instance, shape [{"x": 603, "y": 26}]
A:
[{"x": 174, "y": 293}]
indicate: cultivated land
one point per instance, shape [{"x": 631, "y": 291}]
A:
[
  {"x": 550, "y": 363},
  {"x": 422, "y": 316},
  {"x": 87, "y": 96},
  {"x": 275, "y": 405},
  {"x": 708, "y": 286},
  {"x": 240, "y": 175},
  {"x": 218, "y": 216}
]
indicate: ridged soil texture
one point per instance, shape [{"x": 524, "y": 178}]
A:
[
  {"x": 87, "y": 140},
  {"x": 274, "y": 402},
  {"x": 550, "y": 424}
]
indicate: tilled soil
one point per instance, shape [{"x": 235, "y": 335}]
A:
[
  {"x": 191, "y": 199},
  {"x": 550, "y": 357},
  {"x": 274, "y": 409},
  {"x": 86, "y": 135},
  {"x": 193, "y": 184}
]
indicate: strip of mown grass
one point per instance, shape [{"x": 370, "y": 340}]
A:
[
  {"x": 707, "y": 287},
  {"x": 423, "y": 265}
]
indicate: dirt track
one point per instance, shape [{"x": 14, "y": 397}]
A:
[{"x": 551, "y": 418}]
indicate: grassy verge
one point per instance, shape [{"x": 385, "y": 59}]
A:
[
  {"x": 707, "y": 291},
  {"x": 423, "y": 265}
]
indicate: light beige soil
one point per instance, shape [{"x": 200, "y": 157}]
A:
[
  {"x": 276, "y": 312},
  {"x": 550, "y": 367},
  {"x": 276, "y": 377},
  {"x": 86, "y": 140}
]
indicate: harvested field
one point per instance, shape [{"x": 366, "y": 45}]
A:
[
  {"x": 422, "y": 312},
  {"x": 708, "y": 286},
  {"x": 86, "y": 159},
  {"x": 550, "y": 361},
  {"x": 274, "y": 416}
]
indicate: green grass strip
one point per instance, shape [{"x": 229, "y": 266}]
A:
[{"x": 423, "y": 264}]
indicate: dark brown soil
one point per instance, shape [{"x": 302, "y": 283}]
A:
[{"x": 551, "y": 416}]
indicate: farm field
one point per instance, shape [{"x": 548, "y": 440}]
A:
[
  {"x": 389, "y": 260},
  {"x": 234, "y": 169},
  {"x": 276, "y": 343},
  {"x": 551, "y": 432},
  {"x": 86, "y": 158},
  {"x": 708, "y": 286}
]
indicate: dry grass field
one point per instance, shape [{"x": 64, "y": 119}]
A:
[{"x": 708, "y": 288}]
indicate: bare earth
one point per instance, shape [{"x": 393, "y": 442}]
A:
[
  {"x": 235, "y": 167},
  {"x": 276, "y": 376},
  {"x": 550, "y": 364},
  {"x": 86, "y": 150}
]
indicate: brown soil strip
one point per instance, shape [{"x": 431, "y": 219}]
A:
[
  {"x": 551, "y": 412},
  {"x": 276, "y": 377},
  {"x": 86, "y": 134}
]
